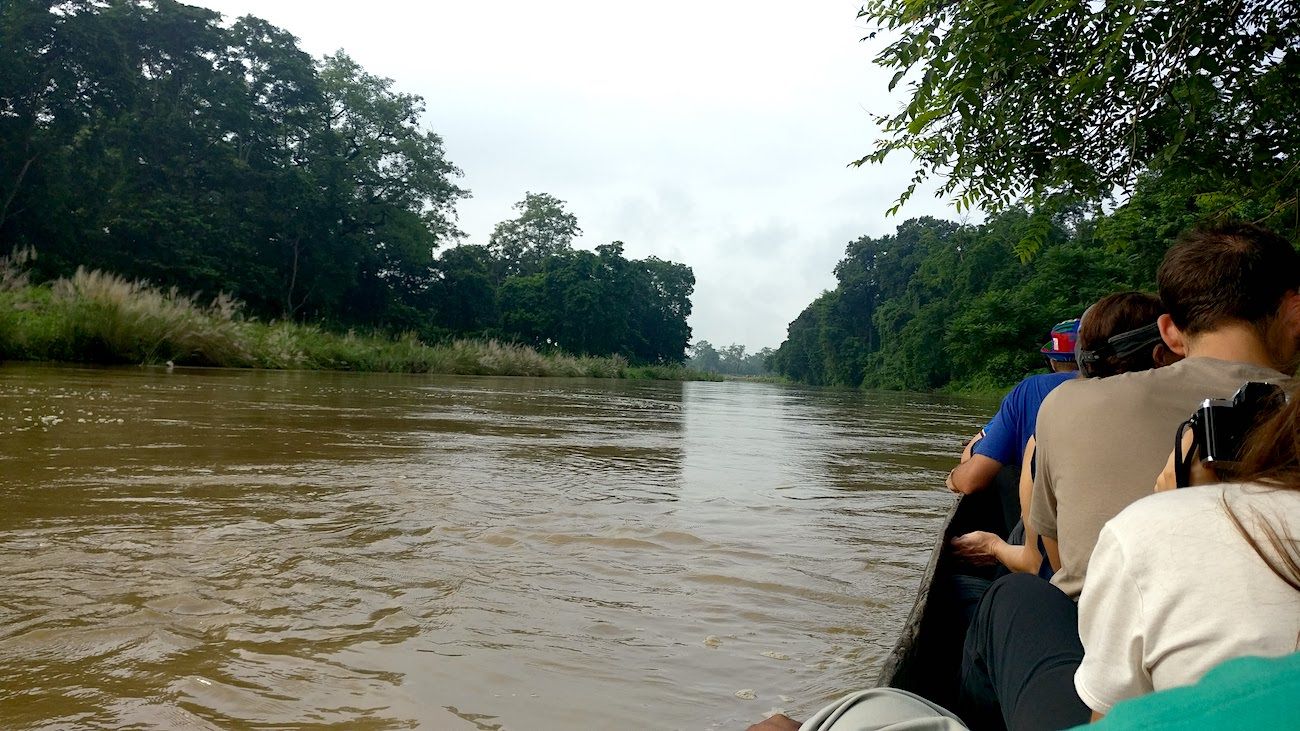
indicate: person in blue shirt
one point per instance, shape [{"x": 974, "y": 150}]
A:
[
  {"x": 1117, "y": 335},
  {"x": 1001, "y": 443}
]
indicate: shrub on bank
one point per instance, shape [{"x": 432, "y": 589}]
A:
[
  {"x": 96, "y": 317},
  {"x": 108, "y": 319}
]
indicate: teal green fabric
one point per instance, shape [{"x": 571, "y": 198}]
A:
[{"x": 1248, "y": 692}]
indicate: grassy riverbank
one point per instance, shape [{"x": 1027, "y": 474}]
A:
[{"x": 95, "y": 317}]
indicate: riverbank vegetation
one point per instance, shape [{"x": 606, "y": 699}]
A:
[
  {"x": 155, "y": 141},
  {"x": 1091, "y": 136},
  {"x": 96, "y": 317}
]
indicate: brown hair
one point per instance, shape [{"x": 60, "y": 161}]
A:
[
  {"x": 1271, "y": 456},
  {"x": 1113, "y": 315},
  {"x": 1236, "y": 272}
]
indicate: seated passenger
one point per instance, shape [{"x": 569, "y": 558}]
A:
[
  {"x": 1182, "y": 580},
  {"x": 1117, "y": 334},
  {"x": 1002, "y": 441}
]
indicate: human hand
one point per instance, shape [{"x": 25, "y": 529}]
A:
[
  {"x": 978, "y": 547},
  {"x": 776, "y": 722},
  {"x": 1199, "y": 474}
]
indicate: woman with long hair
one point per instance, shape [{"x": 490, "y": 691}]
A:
[{"x": 1185, "y": 579}]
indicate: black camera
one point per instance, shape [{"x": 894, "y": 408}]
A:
[{"x": 1220, "y": 425}]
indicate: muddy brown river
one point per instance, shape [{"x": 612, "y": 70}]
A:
[{"x": 205, "y": 549}]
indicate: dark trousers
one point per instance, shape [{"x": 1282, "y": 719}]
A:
[{"x": 1019, "y": 659}]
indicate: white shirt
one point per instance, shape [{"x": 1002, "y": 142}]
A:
[{"x": 1173, "y": 589}]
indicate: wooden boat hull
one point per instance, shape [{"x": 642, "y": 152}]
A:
[{"x": 926, "y": 658}]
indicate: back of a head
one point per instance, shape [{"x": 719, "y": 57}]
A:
[
  {"x": 1122, "y": 313},
  {"x": 1236, "y": 273}
]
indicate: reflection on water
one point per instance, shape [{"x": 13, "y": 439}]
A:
[{"x": 210, "y": 549}]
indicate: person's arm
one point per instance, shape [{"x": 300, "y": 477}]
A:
[
  {"x": 970, "y": 446},
  {"x": 982, "y": 547},
  {"x": 1026, "y": 487},
  {"x": 1199, "y": 474},
  {"x": 1053, "y": 552},
  {"x": 1041, "y": 509},
  {"x": 1030, "y": 559},
  {"x": 973, "y": 475}
]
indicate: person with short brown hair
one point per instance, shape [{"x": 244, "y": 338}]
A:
[
  {"x": 1120, "y": 333},
  {"x": 1232, "y": 302}
]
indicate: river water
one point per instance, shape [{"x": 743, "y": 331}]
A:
[{"x": 240, "y": 549}]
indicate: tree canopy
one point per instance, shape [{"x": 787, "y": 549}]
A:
[
  {"x": 939, "y": 304},
  {"x": 150, "y": 139},
  {"x": 1041, "y": 113},
  {"x": 1036, "y": 101},
  {"x": 542, "y": 229}
]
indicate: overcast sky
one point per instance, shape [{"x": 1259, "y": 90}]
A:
[{"x": 716, "y": 134}]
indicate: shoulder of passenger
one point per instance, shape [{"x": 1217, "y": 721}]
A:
[{"x": 1073, "y": 393}]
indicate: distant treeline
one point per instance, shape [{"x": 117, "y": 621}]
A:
[
  {"x": 729, "y": 360},
  {"x": 149, "y": 140},
  {"x": 940, "y": 304}
]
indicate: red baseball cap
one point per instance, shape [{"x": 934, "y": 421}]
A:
[{"x": 1064, "y": 336}]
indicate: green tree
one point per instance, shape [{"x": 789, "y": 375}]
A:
[
  {"x": 601, "y": 303},
  {"x": 662, "y": 303},
  {"x": 937, "y": 304},
  {"x": 463, "y": 294},
  {"x": 704, "y": 357},
  {"x": 149, "y": 139},
  {"x": 542, "y": 229},
  {"x": 388, "y": 196},
  {"x": 801, "y": 356},
  {"x": 1028, "y": 101}
]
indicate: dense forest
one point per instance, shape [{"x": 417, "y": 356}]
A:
[
  {"x": 1091, "y": 136},
  {"x": 151, "y": 140}
]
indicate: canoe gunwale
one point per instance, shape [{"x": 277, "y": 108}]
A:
[{"x": 905, "y": 646}]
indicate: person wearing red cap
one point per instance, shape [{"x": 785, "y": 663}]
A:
[{"x": 1002, "y": 442}]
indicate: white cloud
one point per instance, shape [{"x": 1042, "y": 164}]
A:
[{"x": 716, "y": 134}]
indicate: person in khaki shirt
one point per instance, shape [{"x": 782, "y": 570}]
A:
[
  {"x": 1233, "y": 311},
  {"x": 1102, "y": 442},
  {"x": 1232, "y": 298}
]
